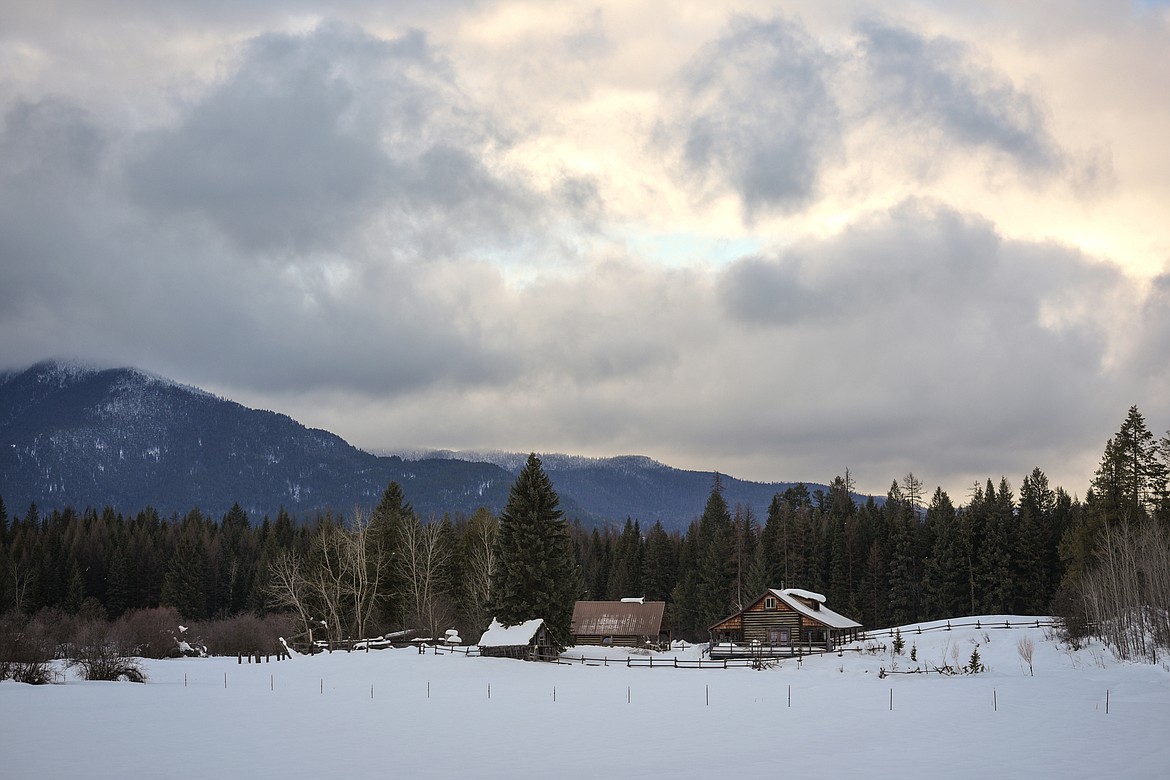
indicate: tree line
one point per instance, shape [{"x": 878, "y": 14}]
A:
[{"x": 916, "y": 556}]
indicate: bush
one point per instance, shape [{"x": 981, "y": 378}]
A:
[
  {"x": 26, "y": 652},
  {"x": 149, "y": 633},
  {"x": 99, "y": 656},
  {"x": 246, "y": 634}
]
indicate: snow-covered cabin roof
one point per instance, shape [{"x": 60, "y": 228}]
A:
[
  {"x": 822, "y": 614},
  {"x": 499, "y": 635}
]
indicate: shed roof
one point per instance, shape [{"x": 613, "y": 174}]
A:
[
  {"x": 499, "y": 635},
  {"x": 609, "y": 618}
]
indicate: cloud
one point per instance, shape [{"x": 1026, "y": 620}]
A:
[
  {"x": 922, "y": 330},
  {"x": 313, "y": 134},
  {"x": 757, "y": 116},
  {"x": 935, "y": 87}
]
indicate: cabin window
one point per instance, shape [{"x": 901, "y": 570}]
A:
[{"x": 770, "y": 603}]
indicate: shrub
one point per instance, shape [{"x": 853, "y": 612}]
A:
[
  {"x": 149, "y": 633},
  {"x": 99, "y": 656},
  {"x": 246, "y": 634},
  {"x": 26, "y": 653},
  {"x": 1027, "y": 648}
]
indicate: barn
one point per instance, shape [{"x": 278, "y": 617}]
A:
[
  {"x": 625, "y": 623},
  {"x": 528, "y": 641},
  {"x": 780, "y": 623}
]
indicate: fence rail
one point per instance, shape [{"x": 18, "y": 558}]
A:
[{"x": 950, "y": 625}]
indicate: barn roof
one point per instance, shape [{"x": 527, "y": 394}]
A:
[
  {"x": 615, "y": 618},
  {"x": 499, "y": 635}
]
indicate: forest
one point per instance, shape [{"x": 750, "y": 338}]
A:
[{"x": 1102, "y": 562}]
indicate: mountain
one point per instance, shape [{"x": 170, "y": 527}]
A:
[
  {"x": 84, "y": 436},
  {"x": 633, "y": 485},
  {"x": 73, "y": 435}
]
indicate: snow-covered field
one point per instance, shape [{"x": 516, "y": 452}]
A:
[{"x": 394, "y": 713}]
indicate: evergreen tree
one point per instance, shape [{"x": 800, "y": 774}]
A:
[
  {"x": 626, "y": 569},
  {"x": 659, "y": 564},
  {"x": 536, "y": 574},
  {"x": 684, "y": 607},
  {"x": 117, "y": 586},
  {"x": 996, "y": 553},
  {"x": 715, "y": 572},
  {"x": 182, "y": 587},
  {"x": 75, "y": 593},
  {"x": 1131, "y": 481},
  {"x": 744, "y": 543},
  {"x": 383, "y": 541},
  {"x": 945, "y": 580},
  {"x": 901, "y": 568}
]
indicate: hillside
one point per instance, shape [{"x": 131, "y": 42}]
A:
[
  {"x": 129, "y": 439},
  {"x": 86, "y": 436}
]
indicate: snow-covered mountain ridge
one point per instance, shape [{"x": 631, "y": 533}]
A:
[{"x": 72, "y": 434}]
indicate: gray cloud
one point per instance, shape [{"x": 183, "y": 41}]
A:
[
  {"x": 757, "y": 115},
  {"x": 936, "y": 85},
  {"x": 314, "y": 133},
  {"x": 923, "y": 331}
]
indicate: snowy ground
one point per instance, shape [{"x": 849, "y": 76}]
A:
[{"x": 395, "y": 712}]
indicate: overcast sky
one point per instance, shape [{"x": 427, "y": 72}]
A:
[{"x": 776, "y": 240}]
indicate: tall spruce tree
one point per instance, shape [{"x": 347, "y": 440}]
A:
[
  {"x": 945, "y": 580},
  {"x": 715, "y": 567},
  {"x": 536, "y": 574},
  {"x": 659, "y": 564}
]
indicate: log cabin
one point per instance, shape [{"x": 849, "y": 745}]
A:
[{"x": 783, "y": 622}]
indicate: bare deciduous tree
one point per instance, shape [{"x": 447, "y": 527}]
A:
[
  {"x": 479, "y": 561},
  {"x": 287, "y": 587},
  {"x": 1127, "y": 592},
  {"x": 422, "y": 559}
]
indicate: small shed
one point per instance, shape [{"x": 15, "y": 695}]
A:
[
  {"x": 782, "y": 622},
  {"x": 528, "y": 641},
  {"x": 626, "y": 623}
]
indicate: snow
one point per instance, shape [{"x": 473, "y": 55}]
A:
[
  {"x": 355, "y": 714},
  {"x": 804, "y": 594},
  {"x": 499, "y": 635},
  {"x": 638, "y": 600}
]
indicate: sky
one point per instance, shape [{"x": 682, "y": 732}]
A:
[{"x": 778, "y": 240}]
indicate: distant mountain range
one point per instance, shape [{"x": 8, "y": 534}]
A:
[{"x": 83, "y": 436}]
